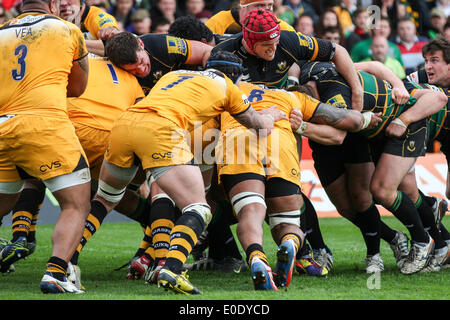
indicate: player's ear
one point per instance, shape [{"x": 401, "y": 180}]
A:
[
  {"x": 141, "y": 43},
  {"x": 54, "y": 6}
]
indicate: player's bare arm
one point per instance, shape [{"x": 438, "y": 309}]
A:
[
  {"x": 345, "y": 66},
  {"x": 350, "y": 120},
  {"x": 78, "y": 77},
  {"x": 320, "y": 133},
  {"x": 428, "y": 103},
  {"x": 263, "y": 119},
  {"x": 399, "y": 93}
]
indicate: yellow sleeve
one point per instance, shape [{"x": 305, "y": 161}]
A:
[
  {"x": 220, "y": 22},
  {"x": 306, "y": 104},
  {"x": 78, "y": 39},
  {"x": 98, "y": 19},
  {"x": 285, "y": 26},
  {"x": 237, "y": 100}
]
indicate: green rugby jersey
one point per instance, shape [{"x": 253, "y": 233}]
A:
[
  {"x": 334, "y": 90},
  {"x": 439, "y": 123}
]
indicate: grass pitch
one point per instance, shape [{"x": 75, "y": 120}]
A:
[{"x": 115, "y": 243}]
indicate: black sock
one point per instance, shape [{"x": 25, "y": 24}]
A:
[
  {"x": 255, "y": 250},
  {"x": 404, "y": 210},
  {"x": 427, "y": 217},
  {"x": 26, "y": 207},
  {"x": 386, "y": 233},
  {"x": 162, "y": 219},
  {"x": 303, "y": 251},
  {"x": 57, "y": 267},
  {"x": 429, "y": 200},
  {"x": 94, "y": 220},
  {"x": 368, "y": 222},
  {"x": 314, "y": 236},
  {"x": 221, "y": 241},
  {"x": 183, "y": 238}
]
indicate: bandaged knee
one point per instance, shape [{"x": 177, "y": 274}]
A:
[
  {"x": 162, "y": 196},
  {"x": 201, "y": 209}
]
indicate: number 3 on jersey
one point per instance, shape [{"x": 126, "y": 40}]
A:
[{"x": 21, "y": 53}]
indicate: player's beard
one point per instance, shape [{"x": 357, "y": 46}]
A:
[{"x": 75, "y": 18}]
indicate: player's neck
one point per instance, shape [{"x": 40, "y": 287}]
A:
[{"x": 35, "y": 7}]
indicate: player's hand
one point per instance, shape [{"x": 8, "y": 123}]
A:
[
  {"x": 400, "y": 95},
  {"x": 106, "y": 33},
  {"x": 375, "y": 120},
  {"x": 296, "y": 119},
  {"x": 395, "y": 130},
  {"x": 274, "y": 113}
]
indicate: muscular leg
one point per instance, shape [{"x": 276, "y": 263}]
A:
[
  {"x": 196, "y": 214},
  {"x": 388, "y": 175}
]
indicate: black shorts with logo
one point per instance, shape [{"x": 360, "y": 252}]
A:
[{"x": 412, "y": 144}]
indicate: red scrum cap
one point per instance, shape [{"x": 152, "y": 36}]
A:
[{"x": 260, "y": 25}]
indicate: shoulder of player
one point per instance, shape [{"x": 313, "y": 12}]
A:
[
  {"x": 220, "y": 15},
  {"x": 289, "y": 38},
  {"x": 284, "y": 26},
  {"x": 158, "y": 41},
  {"x": 229, "y": 42}
]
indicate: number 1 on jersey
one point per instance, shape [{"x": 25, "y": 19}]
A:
[
  {"x": 20, "y": 52},
  {"x": 173, "y": 84}
]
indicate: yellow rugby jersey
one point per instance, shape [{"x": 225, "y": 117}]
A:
[
  {"x": 224, "y": 22},
  {"x": 185, "y": 97},
  {"x": 94, "y": 19},
  {"x": 36, "y": 56},
  {"x": 109, "y": 92},
  {"x": 262, "y": 98}
]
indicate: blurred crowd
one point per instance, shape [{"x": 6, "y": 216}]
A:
[{"x": 389, "y": 31}]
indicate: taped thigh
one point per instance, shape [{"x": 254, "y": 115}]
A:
[
  {"x": 12, "y": 187},
  {"x": 68, "y": 180},
  {"x": 242, "y": 199},
  {"x": 288, "y": 217},
  {"x": 119, "y": 172},
  {"x": 110, "y": 193}
]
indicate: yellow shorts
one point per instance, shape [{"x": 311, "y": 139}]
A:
[
  {"x": 240, "y": 151},
  {"x": 94, "y": 142},
  {"x": 203, "y": 141},
  {"x": 38, "y": 146},
  {"x": 155, "y": 140}
]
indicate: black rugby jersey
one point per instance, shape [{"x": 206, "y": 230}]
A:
[
  {"x": 439, "y": 124},
  {"x": 334, "y": 90},
  {"x": 167, "y": 53},
  {"x": 293, "y": 46}
]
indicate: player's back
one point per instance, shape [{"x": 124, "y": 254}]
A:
[
  {"x": 36, "y": 57},
  {"x": 109, "y": 92},
  {"x": 186, "y": 96},
  {"x": 261, "y": 97}
]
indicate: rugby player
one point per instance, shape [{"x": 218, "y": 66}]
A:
[
  {"x": 151, "y": 56},
  {"x": 38, "y": 140},
  {"x": 332, "y": 88},
  {"x": 269, "y": 174},
  {"x": 230, "y": 21},
  {"x": 160, "y": 122},
  {"x": 268, "y": 52},
  {"x": 97, "y": 25}
]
